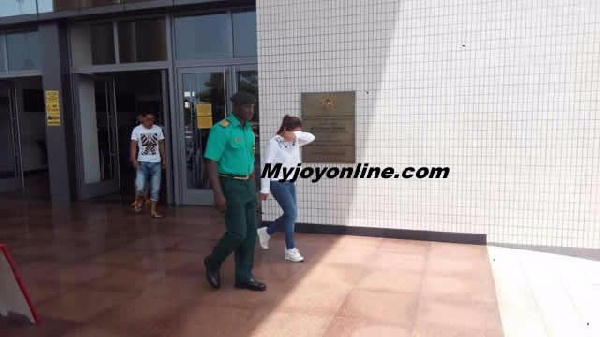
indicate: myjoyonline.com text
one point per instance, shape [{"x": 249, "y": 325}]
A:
[{"x": 361, "y": 171}]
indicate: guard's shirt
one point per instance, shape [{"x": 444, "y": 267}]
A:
[{"x": 232, "y": 146}]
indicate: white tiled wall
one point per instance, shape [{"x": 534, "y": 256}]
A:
[{"x": 504, "y": 92}]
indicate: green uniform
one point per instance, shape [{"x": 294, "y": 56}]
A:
[{"x": 232, "y": 147}]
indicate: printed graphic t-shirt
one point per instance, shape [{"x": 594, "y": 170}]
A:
[{"x": 148, "y": 143}]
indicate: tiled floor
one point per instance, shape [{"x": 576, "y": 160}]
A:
[{"x": 99, "y": 270}]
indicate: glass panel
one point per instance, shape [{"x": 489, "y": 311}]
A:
[
  {"x": 244, "y": 34},
  {"x": 93, "y": 44},
  {"x": 8, "y": 165},
  {"x": 105, "y": 130},
  {"x": 102, "y": 43},
  {"x": 34, "y": 156},
  {"x": 47, "y": 6},
  {"x": 2, "y": 53},
  {"x": 97, "y": 3},
  {"x": 18, "y": 7},
  {"x": 199, "y": 89},
  {"x": 97, "y": 131},
  {"x": 248, "y": 81},
  {"x": 142, "y": 41},
  {"x": 23, "y": 51},
  {"x": 201, "y": 37}
]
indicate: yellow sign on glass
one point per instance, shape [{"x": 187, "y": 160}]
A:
[
  {"x": 204, "y": 116},
  {"x": 52, "y": 108}
]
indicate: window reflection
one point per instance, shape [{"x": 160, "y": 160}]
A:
[
  {"x": 2, "y": 53},
  {"x": 202, "y": 37},
  {"x": 18, "y": 7},
  {"x": 93, "y": 44},
  {"x": 248, "y": 81},
  {"x": 48, "y": 6},
  {"x": 23, "y": 51},
  {"x": 142, "y": 41},
  {"x": 199, "y": 90},
  {"x": 21, "y": 7},
  {"x": 244, "y": 34},
  {"x": 45, "y": 6},
  {"x": 97, "y": 3}
]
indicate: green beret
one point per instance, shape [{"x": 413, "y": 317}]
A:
[{"x": 242, "y": 98}]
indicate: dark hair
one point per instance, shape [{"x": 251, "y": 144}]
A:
[{"x": 289, "y": 123}]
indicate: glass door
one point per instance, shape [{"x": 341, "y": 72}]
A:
[
  {"x": 98, "y": 173},
  {"x": 203, "y": 96},
  {"x": 11, "y": 178},
  {"x": 204, "y": 100},
  {"x": 246, "y": 79}
]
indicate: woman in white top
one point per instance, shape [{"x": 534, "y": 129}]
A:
[{"x": 284, "y": 149}]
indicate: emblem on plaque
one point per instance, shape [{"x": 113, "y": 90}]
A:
[{"x": 328, "y": 102}]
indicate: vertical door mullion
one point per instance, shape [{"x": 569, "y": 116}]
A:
[
  {"x": 116, "y": 42},
  {"x": 168, "y": 140},
  {"x": 16, "y": 108},
  {"x": 229, "y": 90},
  {"x": 179, "y": 132},
  {"x": 12, "y": 127},
  {"x": 108, "y": 123},
  {"x": 114, "y": 127},
  {"x": 80, "y": 172},
  {"x": 5, "y": 52}
]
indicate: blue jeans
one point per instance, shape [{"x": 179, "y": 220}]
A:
[
  {"x": 148, "y": 171},
  {"x": 285, "y": 194}
]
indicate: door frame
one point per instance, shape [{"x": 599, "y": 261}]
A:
[
  {"x": 188, "y": 196},
  {"x": 185, "y": 195},
  {"x": 167, "y": 114},
  {"x": 15, "y": 106},
  {"x": 169, "y": 138},
  {"x": 91, "y": 190},
  {"x": 235, "y": 70}
]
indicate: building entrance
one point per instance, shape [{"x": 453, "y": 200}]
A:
[
  {"x": 24, "y": 164},
  {"x": 109, "y": 107}
]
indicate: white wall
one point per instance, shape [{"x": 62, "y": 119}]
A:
[{"x": 505, "y": 93}]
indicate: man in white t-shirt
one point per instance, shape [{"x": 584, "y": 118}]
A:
[
  {"x": 139, "y": 120},
  {"x": 149, "y": 140}
]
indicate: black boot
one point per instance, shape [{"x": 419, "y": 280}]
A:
[
  {"x": 212, "y": 275},
  {"x": 252, "y": 285}
]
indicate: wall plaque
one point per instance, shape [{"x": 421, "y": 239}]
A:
[
  {"x": 52, "y": 108},
  {"x": 331, "y": 118},
  {"x": 204, "y": 116}
]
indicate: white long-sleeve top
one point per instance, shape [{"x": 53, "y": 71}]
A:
[{"x": 287, "y": 153}]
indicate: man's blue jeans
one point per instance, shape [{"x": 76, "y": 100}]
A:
[
  {"x": 149, "y": 172},
  {"x": 285, "y": 194}
]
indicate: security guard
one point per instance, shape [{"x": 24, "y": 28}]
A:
[{"x": 230, "y": 154}]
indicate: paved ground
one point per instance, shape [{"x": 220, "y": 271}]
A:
[{"x": 99, "y": 270}]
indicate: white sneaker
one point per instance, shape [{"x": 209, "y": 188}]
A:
[
  {"x": 263, "y": 237},
  {"x": 293, "y": 255}
]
